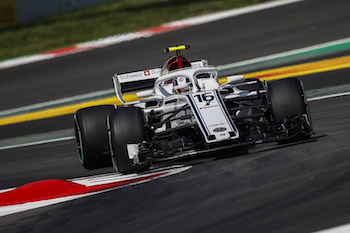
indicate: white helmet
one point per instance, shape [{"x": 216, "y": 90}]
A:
[{"x": 182, "y": 84}]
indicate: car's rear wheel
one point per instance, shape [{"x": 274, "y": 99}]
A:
[
  {"x": 287, "y": 102},
  {"x": 91, "y": 135},
  {"x": 127, "y": 128}
]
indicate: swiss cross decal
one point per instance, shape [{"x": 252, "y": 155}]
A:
[{"x": 147, "y": 73}]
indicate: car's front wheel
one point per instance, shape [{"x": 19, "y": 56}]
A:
[
  {"x": 288, "y": 104},
  {"x": 127, "y": 130}
]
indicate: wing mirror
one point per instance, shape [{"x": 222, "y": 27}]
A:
[{"x": 235, "y": 79}]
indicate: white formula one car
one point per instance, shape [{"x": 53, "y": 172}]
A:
[{"x": 188, "y": 113}]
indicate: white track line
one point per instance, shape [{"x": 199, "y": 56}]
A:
[
  {"x": 329, "y": 96},
  {"x": 197, "y": 20},
  {"x": 283, "y": 54},
  {"x": 116, "y": 39},
  {"x": 339, "y": 229},
  {"x": 37, "y": 143},
  {"x": 92, "y": 181}
]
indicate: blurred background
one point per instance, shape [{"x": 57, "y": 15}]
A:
[{"x": 33, "y": 26}]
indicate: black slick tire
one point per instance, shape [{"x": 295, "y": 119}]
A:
[
  {"x": 287, "y": 99},
  {"x": 126, "y": 126},
  {"x": 91, "y": 134}
]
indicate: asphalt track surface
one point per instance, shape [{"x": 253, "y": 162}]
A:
[{"x": 300, "y": 187}]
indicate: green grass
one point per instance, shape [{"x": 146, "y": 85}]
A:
[{"x": 103, "y": 20}]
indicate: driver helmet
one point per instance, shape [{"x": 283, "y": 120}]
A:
[
  {"x": 176, "y": 62},
  {"x": 182, "y": 85}
]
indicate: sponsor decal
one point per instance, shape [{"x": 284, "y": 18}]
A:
[
  {"x": 220, "y": 129},
  {"x": 218, "y": 124},
  {"x": 139, "y": 74},
  {"x": 155, "y": 71},
  {"x": 209, "y": 106},
  {"x": 129, "y": 76}
]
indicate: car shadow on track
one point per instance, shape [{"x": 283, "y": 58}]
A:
[
  {"x": 274, "y": 145},
  {"x": 236, "y": 152}
]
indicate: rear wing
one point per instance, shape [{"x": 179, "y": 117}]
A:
[{"x": 141, "y": 80}]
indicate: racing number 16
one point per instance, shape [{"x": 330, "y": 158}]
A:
[{"x": 204, "y": 97}]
